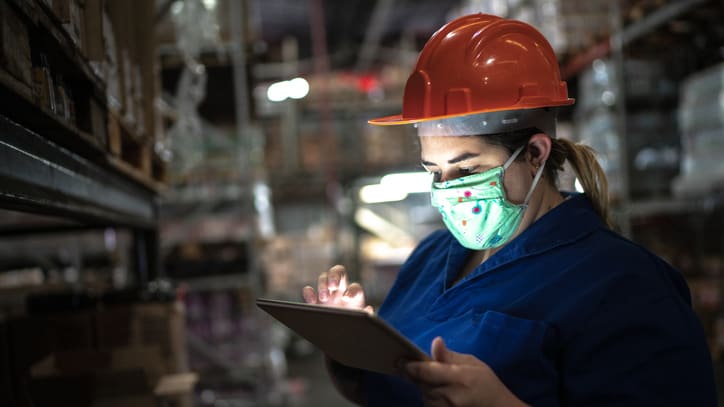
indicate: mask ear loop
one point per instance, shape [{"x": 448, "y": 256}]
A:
[
  {"x": 535, "y": 182},
  {"x": 513, "y": 157}
]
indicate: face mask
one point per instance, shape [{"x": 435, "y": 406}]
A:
[{"x": 475, "y": 210}]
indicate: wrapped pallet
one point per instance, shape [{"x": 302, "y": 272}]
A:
[{"x": 701, "y": 124}]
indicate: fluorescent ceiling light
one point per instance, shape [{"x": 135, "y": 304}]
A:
[
  {"x": 396, "y": 187},
  {"x": 410, "y": 182},
  {"x": 296, "y": 88},
  {"x": 277, "y": 91},
  {"x": 377, "y": 193},
  {"x": 382, "y": 228}
]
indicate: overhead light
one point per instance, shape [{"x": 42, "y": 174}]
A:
[
  {"x": 378, "y": 193},
  {"x": 409, "y": 182},
  {"x": 277, "y": 91},
  {"x": 395, "y": 187},
  {"x": 382, "y": 228},
  {"x": 296, "y": 88}
]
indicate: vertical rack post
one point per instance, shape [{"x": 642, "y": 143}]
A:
[{"x": 616, "y": 45}]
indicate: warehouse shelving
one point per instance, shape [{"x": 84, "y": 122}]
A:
[
  {"x": 61, "y": 184},
  {"x": 54, "y": 167},
  {"x": 41, "y": 177},
  {"x": 684, "y": 229}
]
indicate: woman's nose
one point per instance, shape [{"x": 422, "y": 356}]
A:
[{"x": 445, "y": 176}]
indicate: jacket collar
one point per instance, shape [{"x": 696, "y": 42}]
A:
[{"x": 568, "y": 222}]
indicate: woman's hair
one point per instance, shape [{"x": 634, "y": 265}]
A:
[{"x": 582, "y": 159}]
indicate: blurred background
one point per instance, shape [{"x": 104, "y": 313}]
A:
[{"x": 164, "y": 163}]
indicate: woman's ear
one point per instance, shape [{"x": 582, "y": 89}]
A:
[{"x": 539, "y": 149}]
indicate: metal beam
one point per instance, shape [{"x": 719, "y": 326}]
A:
[
  {"x": 39, "y": 176},
  {"x": 628, "y": 35},
  {"x": 652, "y": 21},
  {"x": 373, "y": 34}
]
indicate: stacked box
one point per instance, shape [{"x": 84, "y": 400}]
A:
[
  {"x": 70, "y": 13},
  {"x": 15, "y": 55},
  {"x": 87, "y": 377},
  {"x": 654, "y": 148},
  {"x": 6, "y": 377},
  {"x": 147, "y": 324},
  {"x": 701, "y": 123},
  {"x": 651, "y": 146},
  {"x": 134, "y": 42},
  {"x": 93, "y": 36}
]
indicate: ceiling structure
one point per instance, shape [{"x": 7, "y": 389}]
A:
[
  {"x": 362, "y": 35},
  {"x": 282, "y": 37}
]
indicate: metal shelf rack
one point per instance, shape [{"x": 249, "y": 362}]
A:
[{"x": 39, "y": 176}]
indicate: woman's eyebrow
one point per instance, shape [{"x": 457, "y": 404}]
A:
[{"x": 461, "y": 157}]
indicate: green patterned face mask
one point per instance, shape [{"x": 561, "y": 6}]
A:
[{"x": 475, "y": 210}]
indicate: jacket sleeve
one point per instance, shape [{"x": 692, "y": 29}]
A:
[{"x": 639, "y": 352}]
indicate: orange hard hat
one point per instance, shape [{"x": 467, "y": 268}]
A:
[{"x": 481, "y": 63}]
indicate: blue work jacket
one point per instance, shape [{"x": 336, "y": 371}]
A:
[{"x": 568, "y": 313}]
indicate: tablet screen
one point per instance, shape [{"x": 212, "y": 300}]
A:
[{"x": 352, "y": 337}]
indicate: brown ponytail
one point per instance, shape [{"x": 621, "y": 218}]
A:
[
  {"x": 582, "y": 159},
  {"x": 589, "y": 172}
]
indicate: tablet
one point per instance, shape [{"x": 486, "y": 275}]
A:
[{"x": 352, "y": 337}]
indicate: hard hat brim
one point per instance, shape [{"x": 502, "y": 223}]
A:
[{"x": 398, "y": 119}]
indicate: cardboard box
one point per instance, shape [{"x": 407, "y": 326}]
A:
[
  {"x": 72, "y": 330},
  {"x": 135, "y": 401},
  {"x": 163, "y": 324},
  {"x": 106, "y": 378},
  {"x": 98, "y": 125},
  {"x": 70, "y": 14},
  {"x": 62, "y": 10},
  {"x": 15, "y": 45},
  {"x": 113, "y": 326},
  {"x": 85, "y": 389},
  {"x": 6, "y": 372},
  {"x": 142, "y": 325},
  {"x": 93, "y": 42},
  {"x": 177, "y": 390},
  {"x": 84, "y": 361}
]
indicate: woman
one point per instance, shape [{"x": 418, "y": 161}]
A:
[{"x": 528, "y": 297}]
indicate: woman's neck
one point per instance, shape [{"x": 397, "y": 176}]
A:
[{"x": 548, "y": 198}]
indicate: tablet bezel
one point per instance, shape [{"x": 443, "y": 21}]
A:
[{"x": 353, "y": 337}]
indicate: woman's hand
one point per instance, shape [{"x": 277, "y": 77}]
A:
[
  {"x": 456, "y": 379},
  {"x": 334, "y": 290}
]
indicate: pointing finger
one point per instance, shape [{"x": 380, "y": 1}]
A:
[{"x": 335, "y": 276}]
